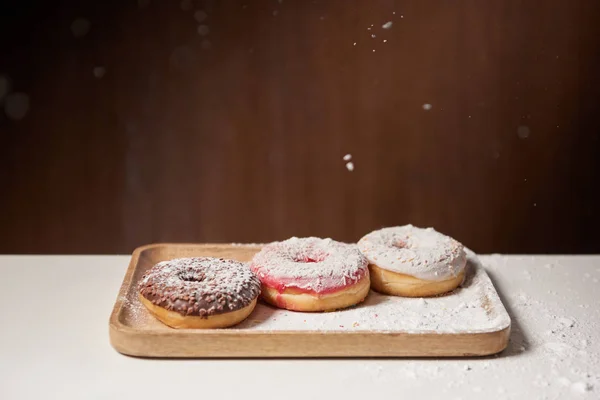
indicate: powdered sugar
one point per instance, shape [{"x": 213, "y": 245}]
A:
[
  {"x": 423, "y": 253},
  {"x": 312, "y": 263},
  {"x": 200, "y": 285},
  {"x": 481, "y": 311},
  {"x": 472, "y": 308}
]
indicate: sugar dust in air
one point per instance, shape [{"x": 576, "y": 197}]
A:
[{"x": 349, "y": 163}]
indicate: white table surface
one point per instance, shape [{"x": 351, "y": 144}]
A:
[{"x": 54, "y": 343}]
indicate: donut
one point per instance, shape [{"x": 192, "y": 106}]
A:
[
  {"x": 199, "y": 292},
  {"x": 311, "y": 274},
  {"x": 413, "y": 262}
]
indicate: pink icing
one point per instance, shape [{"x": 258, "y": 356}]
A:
[{"x": 310, "y": 265}]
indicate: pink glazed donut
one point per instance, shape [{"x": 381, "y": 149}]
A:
[{"x": 311, "y": 274}]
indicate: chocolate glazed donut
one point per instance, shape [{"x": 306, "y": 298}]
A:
[{"x": 200, "y": 292}]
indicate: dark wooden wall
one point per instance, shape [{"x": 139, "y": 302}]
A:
[{"x": 238, "y": 134}]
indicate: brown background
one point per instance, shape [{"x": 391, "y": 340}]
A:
[{"x": 239, "y": 135}]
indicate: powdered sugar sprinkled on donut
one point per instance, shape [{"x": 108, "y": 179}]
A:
[
  {"x": 200, "y": 285},
  {"x": 422, "y": 253},
  {"x": 310, "y": 264}
]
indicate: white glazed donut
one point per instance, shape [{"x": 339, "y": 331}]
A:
[{"x": 413, "y": 262}]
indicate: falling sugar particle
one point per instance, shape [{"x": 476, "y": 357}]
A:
[
  {"x": 387, "y": 25},
  {"x": 373, "y": 50},
  {"x": 16, "y": 106},
  {"x": 200, "y": 16},
  {"x": 402, "y": 16},
  {"x": 523, "y": 132},
  {"x": 354, "y": 44},
  {"x": 80, "y": 27},
  {"x": 143, "y": 3},
  {"x": 187, "y": 5},
  {"x": 427, "y": 106},
  {"x": 384, "y": 40},
  {"x": 206, "y": 44},
  {"x": 99, "y": 72},
  {"x": 348, "y": 157},
  {"x": 373, "y": 36},
  {"x": 182, "y": 58},
  {"x": 535, "y": 204},
  {"x": 203, "y": 30},
  {"x": 350, "y": 166}
]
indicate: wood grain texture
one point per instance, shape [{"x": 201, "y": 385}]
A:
[
  {"x": 238, "y": 135},
  {"x": 130, "y": 336}
]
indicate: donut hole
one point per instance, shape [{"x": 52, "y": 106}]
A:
[
  {"x": 191, "y": 277},
  {"x": 309, "y": 258},
  {"x": 401, "y": 244}
]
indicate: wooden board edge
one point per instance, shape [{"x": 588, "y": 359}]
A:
[
  {"x": 307, "y": 344},
  {"x": 114, "y": 323}
]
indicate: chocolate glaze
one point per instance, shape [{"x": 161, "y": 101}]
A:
[{"x": 200, "y": 286}]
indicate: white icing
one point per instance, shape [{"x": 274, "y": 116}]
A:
[
  {"x": 422, "y": 253},
  {"x": 331, "y": 264}
]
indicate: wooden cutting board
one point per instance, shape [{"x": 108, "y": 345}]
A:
[{"x": 470, "y": 321}]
